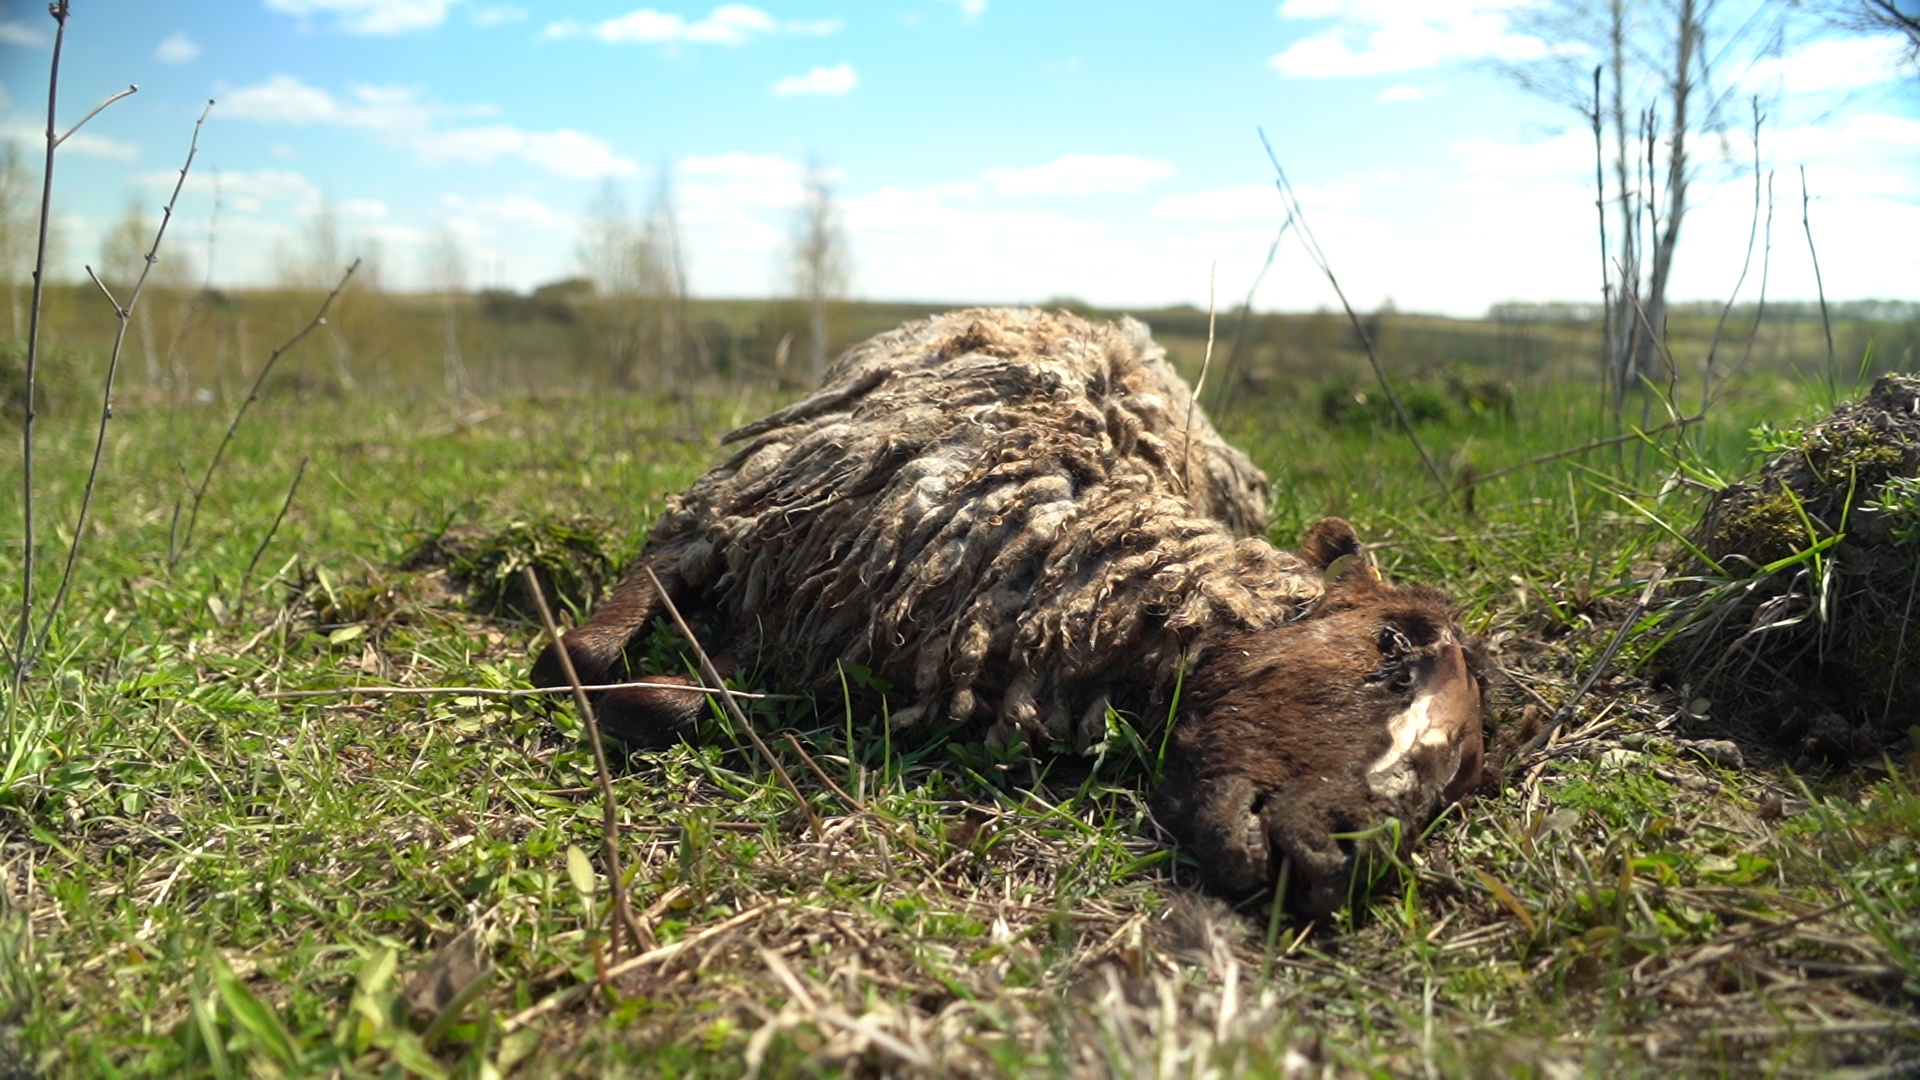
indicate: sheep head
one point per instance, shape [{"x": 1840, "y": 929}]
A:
[{"x": 1369, "y": 707}]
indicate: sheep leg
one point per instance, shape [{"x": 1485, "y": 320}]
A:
[
  {"x": 598, "y": 647},
  {"x": 643, "y": 717}
]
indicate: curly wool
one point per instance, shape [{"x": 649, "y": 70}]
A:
[{"x": 999, "y": 509}]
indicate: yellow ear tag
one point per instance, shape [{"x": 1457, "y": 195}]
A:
[{"x": 1350, "y": 564}]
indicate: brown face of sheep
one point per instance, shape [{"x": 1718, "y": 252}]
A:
[{"x": 1369, "y": 708}]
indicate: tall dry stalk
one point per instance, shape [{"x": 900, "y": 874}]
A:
[
  {"x": 59, "y": 9},
  {"x": 1826, "y": 322},
  {"x": 123, "y": 313},
  {"x": 178, "y": 539},
  {"x": 1299, "y": 217}
]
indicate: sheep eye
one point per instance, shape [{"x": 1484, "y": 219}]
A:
[{"x": 1394, "y": 644}]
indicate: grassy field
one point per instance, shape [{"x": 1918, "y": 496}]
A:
[{"x": 203, "y": 872}]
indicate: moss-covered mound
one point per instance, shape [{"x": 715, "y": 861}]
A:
[{"x": 1808, "y": 596}]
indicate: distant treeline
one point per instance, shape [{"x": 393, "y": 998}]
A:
[{"x": 190, "y": 346}]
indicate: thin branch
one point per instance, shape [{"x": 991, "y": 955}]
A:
[
  {"x": 1753, "y": 232},
  {"x": 1206, "y": 361},
  {"x": 124, "y": 315},
  {"x": 23, "y": 640},
  {"x": 1320, "y": 260},
  {"x": 1232, "y": 367},
  {"x": 1826, "y": 322},
  {"x": 1600, "y": 208},
  {"x": 292, "y": 489},
  {"x": 1597, "y": 444},
  {"x": 1565, "y": 711},
  {"x": 206, "y": 479},
  {"x": 131, "y": 90},
  {"x": 610, "y": 819},
  {"x": 739, "y": 715},
  {"x": 496, "y": 692}
]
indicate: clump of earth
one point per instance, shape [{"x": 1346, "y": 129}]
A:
[{"x": 1802, "y": 618}]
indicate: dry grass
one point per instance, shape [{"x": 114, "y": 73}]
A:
[{"x": 201, "y": 878}]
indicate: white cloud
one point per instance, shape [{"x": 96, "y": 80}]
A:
[
  {"x": 506, "y": 210},
  {"x": 1830, "y": 64},
  {"x": 1380, "y": 37},
  {"x": 178, "y": 48},
  {"x": 244, "y": 192},
  {"x": 728, "y": 24},
  {"x": 83, "y": 143},
  {"x": 1400, "y": 93},
  {"x": 500, "y": 15},
  {"x": 398, "y": 115},
  {"x": 1255, "y": 202},
  {"x": 370, "y": 16},
  {"x": 13, "y": 32},
  {"x": 1080, "y": 174},
  {"x": 835, "y": 81},
  {"x": 971, "y": 10}
]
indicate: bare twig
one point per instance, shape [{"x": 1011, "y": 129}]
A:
[
  {"x": 1753, "y": 233},
  {"x": 739, "y": 715},
  {"x": 1565, "y": 712},
  {"x": 496, "y": 692},
  {"x": 652, "y": 956},
  {"x": 23, "y": 640},
  {"x": 177, "y": 549},
  {"x": 1294, "y": 212},
  {"x": 97, "y": 109},
  {"x": 1574, "y": 451},
  {"x": 123, "y": 314},
  {"x": 1232, "y": 367},
  {"x": 292, "y": 489},
  {"x": 1206, "y": 361},
  {"x": 1826, "y": 322},
  {"x": 610, "y": 819},
  {"x": 1606, "y": 268}
]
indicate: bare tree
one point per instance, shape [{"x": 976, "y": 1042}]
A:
[
  {"x": 17, "y": 184},
  {"x": 123, "y": 252},
  {"x": 1882, "y": 16},
  {"x": 821, "y": 263},
  {"x": 447, "y": 276},
  {"x": 662, "y": 238},
  {"x": 1666, "y": 72},
  {"x": 618, "y": 255}
]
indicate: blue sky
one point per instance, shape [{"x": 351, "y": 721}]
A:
[{"x": 990, "y": 150}]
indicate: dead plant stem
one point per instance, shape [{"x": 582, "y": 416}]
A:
[
  {"x": 178, "y": 542},
  {"x": 123, "y": 315},
  {"x": 292, "y": 489},
  {"x": 1826, "y": 321},
  {"x": 734, "y": 711},
  {"x": 610, "y": 818},
  {"x": 1319, "y": 258}
]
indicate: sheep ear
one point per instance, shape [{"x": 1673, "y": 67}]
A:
[
  {"x": 1328, "y": 541},
  {"x": 1351, "y": 565}
]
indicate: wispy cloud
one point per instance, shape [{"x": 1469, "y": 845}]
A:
[
  {"x": 400, "y": 117},
  {"x": 83, "y": 143},
  {"x": 728, "y": 24},
  {"x": 1403, "y": 92},
  {"x": 1079, "y": 174},
  {"x": 178, "y": 48},
  {"x": 971, "y": 10},
  {"x": 500, "y": 15},
  {"x": 14, "y": 32},
  {"x": 1254, "y": 202},
  {"x": 833, "y": 81},
  {"x": 1383, "y": 37},
  {"x": 370, "y": 16},
  {"x": 1830, "y": 64}
]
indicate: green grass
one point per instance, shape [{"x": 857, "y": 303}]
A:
[{"x": 199, "y": 878}]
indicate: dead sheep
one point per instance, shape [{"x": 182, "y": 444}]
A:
[{"x": 1018, "y": 519}]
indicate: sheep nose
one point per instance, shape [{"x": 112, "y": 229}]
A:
[{"x": 1435, "y": 738}]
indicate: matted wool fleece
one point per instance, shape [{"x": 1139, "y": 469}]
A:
[{"x": 1002, "y": 513}]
